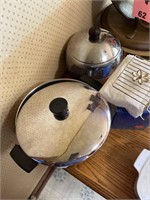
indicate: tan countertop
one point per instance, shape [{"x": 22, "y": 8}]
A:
[{"x": 110, "y": 170}]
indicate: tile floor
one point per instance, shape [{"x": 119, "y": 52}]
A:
[{"x": 63, "y": 186}]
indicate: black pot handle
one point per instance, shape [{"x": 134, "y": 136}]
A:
[
  {"x": 92, "y": 82},
  {"x": 24, "y": 161}
]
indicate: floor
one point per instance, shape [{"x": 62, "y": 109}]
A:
[{"x": 63, "y": 186}]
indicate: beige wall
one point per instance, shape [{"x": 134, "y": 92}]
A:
[{"x": 34, "y": 35}]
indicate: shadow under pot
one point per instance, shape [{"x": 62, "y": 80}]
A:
[
  {"x": 95, "y": 52},
  {"x": 60, "y": 123}
]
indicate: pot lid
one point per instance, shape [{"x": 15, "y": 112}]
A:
[
  {"x": 93, "y": 46},
  {"x": 59, "y": 121}
]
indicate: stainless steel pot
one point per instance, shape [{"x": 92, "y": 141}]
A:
[
  {"x": 60, "y": 123},
  {"x": 95, "y": 52}
]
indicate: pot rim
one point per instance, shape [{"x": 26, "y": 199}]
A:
[{"x": 120, "y": 52}]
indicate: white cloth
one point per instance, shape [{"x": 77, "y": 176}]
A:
[{"x": 129, "y": 85}]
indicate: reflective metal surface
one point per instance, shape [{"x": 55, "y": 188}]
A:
[
  {"x": 62, "y": 143},
  {"x": 97, "y": 59}
]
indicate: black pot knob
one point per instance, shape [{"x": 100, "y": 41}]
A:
[
  {"x": 94, "y": 33},
  {"x": 59, "y": 108}
]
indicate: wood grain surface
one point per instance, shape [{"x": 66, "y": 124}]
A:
[{"x": 110, "y": 170}]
